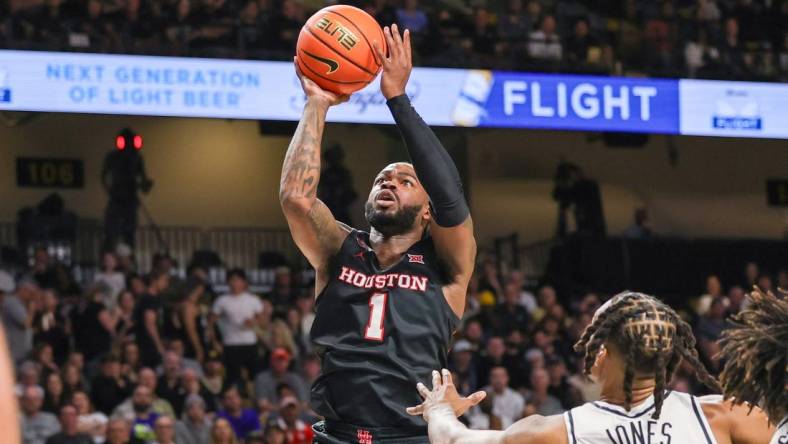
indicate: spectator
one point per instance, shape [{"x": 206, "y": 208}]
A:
[
  {"x": 119, "y": 432},
  {"x": 751, "y": 274},
  {"x": 110, "y": 387},
  {"x": 36, "y": 425},
  {"x": 412, "y": 17},
  {"x": 736, "y": 300},
  {"x": 700, "y": 55},
  {"x": 187, "y": 321},
  {"x": 94, "y": 326},
  {"x": 147, "y": 318},
  {"x": 45, "y": 359},
  {"x": 213, "y": 380},
  {"x": 538, "y": 400},
  {"x": 462, "y": 365},
  {"x": 710, "y": 327},
  {"x": 165, "y": 430},
  {"x": 660, "y": 39},
  {"x": 222, "y": 432},
  {"x": 124, "y": 328},
  {"x": 237, "y": 314},
  {"x": 89, "y": 422},
  {"x": 43, "y": 271},
  {"x": 560, "y": 387},
  {"x": 547, "y": 300},
  {"x": 544, "y": 44},
  {"x": 296, "y": 431},
  {"x": 731, "y": 52},
  {"x": 130, "y": 362},
  {"x": 527, "y": 298},
  {"x": 29, "y": 376},
  {"x": 581, "y": 45},
  {"x": 283, "y": 293},
  {"x": 508, "y": 405},
  {"x": 266, "y": 382},
  {"x": 765, "y": 283},
  {"x": 176, "y": 346},
  {"x": 510, "y": 315},
  {"x": 50, "y": 327},
  {"x": 513, "y": 25},
  {"x": 713, "y": 291},
  {"x": 72, "y": 380},
  {"x": 147, "y": 379},
  {"x": 18, "y": 310},
  {"x": 68, "y": 429},
  {"x": 54, "y": 398},
  {"x": 169, "y": 387},
  {"x": 336, "y": 184},
  {"x": 640, "y": 228},
  {"x": 143, "y": 417},
  {"x": 190, "y": 382},
  {"x": 194, "y": 427},
  {"x": 243, "y": 421},
  {"x": 310, "y": 369},
  {"x": 111, "y": 278},
  {"x": 274, "y": 434}
]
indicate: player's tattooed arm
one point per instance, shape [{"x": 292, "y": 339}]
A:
[{"x": 312, "y": 225}]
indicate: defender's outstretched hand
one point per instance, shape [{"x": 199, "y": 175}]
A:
[
  {"x": 398, "y": 64},
  {"x": 314, "y": 92},
  {"x": 443, "y": 395}
]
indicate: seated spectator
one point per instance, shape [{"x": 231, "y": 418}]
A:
[
  {"x": 547, "y": 299},
  {"x": 266, "y": 382},
  {"x": 736, "y": 300},
  {"x": 89, "y": 422},
  {"x": 194, "y": 427},
  {"x": 190, "y": 382},
  {"x": 640, "y": 228},
  {"x": 513, "y": 25},
  {"x": 146, "y": 378},
  {"x": 243, "y": 421},
  {"x": 165, "y": 430},
  {"x": 29, "y": 376},
  {"x": 222, "y": 432},
  {"x": 411, "y": 17},
  {"x": 538, "y": 400},
  {"x": 296, "y": 431},
  {"x": 130, "y": 361},
  {"x": 286, "y": 27},
  {"x": 36, "y": 425},
  {"x": 143, "y": 416},
  {"x": 93, "y": 325},
  {"x": 699, "y": 54},
  {"x": 54, "y": 398},
  {"x": 484, "y": 38},
  {"x": 579, "y": 46},
  {"x": 713, "y": 291},
  {"x": 110, "y": 387},
  {"x": 510, "y": 315},
  {"x": 73, "y": 380},
  {"x": 527, "y": 298},
  {"x": 119, "y": 432},
  {"x": 544, "y": 44},
  {"x": 124, "y": 328},
  {"x": 461, "y": 363},
  {"x": 169, "y": 386},
  {"x": 69, "y": 433},
  {"x": 661, "y": 35},
  {"x": 213, "y": 380},
  {"x": 731, "y": 51},
  {"x": 508, "y": 405},
  {"x": 560, "y": 387},
  {"x": 710, "y": 327},
  {"x": 274, "y": 434},
  {"x": 481, "y": 417}
]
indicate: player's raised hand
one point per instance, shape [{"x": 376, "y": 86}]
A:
[
  {"x": 398, "y": 64},
  {"x": 315, "y": 92},
  {"x": 443, "y": 393}
]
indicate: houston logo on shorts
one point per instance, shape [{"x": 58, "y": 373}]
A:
[{"x": 344, "y": 36}]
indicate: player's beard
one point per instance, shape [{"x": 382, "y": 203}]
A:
[{"x": 391, "y": 224}]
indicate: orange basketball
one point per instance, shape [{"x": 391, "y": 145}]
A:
[{"x": 335, "y": 48}]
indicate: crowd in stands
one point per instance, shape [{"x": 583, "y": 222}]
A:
[
  {"x": 156, "y": 358},
  {"x": 726, "y": 39}
]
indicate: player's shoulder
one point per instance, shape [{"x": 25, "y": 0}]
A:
[{"x": 537, "y": 429}]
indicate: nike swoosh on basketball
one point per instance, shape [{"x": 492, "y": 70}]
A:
[{"x": 333, "y": 65}]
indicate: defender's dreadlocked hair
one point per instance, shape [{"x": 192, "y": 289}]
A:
[
  {"x": 652, "y": 338},
  {"x": 755, "y": 350}
]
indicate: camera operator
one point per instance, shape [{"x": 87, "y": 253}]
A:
[
  {"x": 574, "y": 189},
  {"x": 123, "y": 175}
]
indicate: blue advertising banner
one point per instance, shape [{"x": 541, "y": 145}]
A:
[{"x": 241, "y": 89}]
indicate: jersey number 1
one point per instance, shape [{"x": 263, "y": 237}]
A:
[{"x": 377, "y": 311}]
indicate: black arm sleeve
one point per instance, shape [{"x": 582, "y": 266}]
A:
[{"x": 433, "y": 165}]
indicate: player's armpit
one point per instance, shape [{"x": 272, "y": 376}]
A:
[
  {"x": 537, "y": 429},
  {"x": 456, "y": 248},
  {"x": 736, "y": 424}
]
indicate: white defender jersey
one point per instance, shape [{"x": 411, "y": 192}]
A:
[
  {"x": 681, "y": 421},
  {"x": 781, "y": 435}
]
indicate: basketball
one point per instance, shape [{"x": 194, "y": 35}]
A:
[{"x": 335, "y": 50}]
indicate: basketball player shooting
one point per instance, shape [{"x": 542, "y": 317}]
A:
[
  {"x": 632, "y": 347},
  {"x": 389, "y": 300},
  {"x": 755, "y": 351}
]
